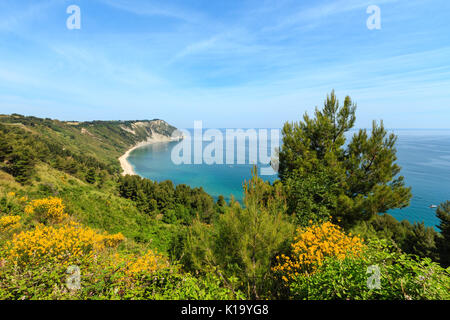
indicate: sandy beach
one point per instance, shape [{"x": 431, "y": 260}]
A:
[{"x": 156, "y": 138}]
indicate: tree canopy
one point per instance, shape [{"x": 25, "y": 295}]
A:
[
  {"x": 443, "y": 213},
  {"x": 327, "y": 176}
]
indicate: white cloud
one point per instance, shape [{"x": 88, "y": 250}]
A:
[{"x": 151, "y": 8}]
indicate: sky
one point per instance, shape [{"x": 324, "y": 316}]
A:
[{"x": 228, "y": 63}]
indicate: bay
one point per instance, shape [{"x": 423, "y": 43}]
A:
[{"x": 424, "y": 156}]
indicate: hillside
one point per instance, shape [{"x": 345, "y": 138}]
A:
[
  {"x": 78, "y": 162},
  {"x": 103, "y": 141}
]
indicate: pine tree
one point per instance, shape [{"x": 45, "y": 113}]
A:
[
  {"x": 5, "y": 149},
  {"x": 22, "y": 164},
  {"x": 221, "y": 201},
  {"x": 244, "y": 241},
  {"x": 422, "y": 241},
  {"x": 443, "y": 242},
  {"x": 91, "y": 176},
  {"x": 324, "y": 176}
]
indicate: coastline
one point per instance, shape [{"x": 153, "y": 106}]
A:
[{"x": 127, "y": 168}]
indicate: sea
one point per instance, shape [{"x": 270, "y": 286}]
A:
[{"x": 423, "y": 155}]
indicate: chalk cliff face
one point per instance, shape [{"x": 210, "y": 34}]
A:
[
  {"x": 149, "y": 129},
  {"x": 132, "y": 131}
]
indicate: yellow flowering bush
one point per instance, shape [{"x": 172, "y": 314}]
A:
[
  {"x": 48, "y": 209},
  {"x": 112, "y": 240},
  {"x": 130, "y": 269},
  {"x": 312, "y": 245},
  {"x": 9, "y": 223},
  {"x": 65, "y": 245},
  {"x": 150, "y": 262}
]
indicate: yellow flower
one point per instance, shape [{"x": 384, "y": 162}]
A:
[
  {"x": 9, "y": 223},
  {"x": 64, "y": 245},
  {"x": 48, "y": 209},
  {"x": 313, "y": 244},
  {"x": 150, "y": 262}
]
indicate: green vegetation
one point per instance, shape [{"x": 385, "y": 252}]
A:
[
  {"x": 176, "y": 204},
  {"x": 325, "y": 178},
  {"x": 402, "y": 277},
  {"x": 443, "y": 242},
  {"x": 241, "y": 245},
  {"x": 313, "y": 234}
]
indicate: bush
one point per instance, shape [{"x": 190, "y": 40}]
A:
[
  {"x": 312, "y": 245},
  {"x": 70, "y": 244},
  {"x": 402, "y": 277},
  {"x": 47, "y": 210},
  {"x": 171, "y": 284},
  {"x": 243, "y": 242},
  {"x": 9, "y": 223}
]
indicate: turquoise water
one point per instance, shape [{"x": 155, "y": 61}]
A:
[
  {"x": 154, "y": 162},
  {"x": 425, "y": 160},
  {"x": 424, "y": 156}
]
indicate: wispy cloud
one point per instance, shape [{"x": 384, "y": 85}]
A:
[
  {"x": 195, "y": 48},
  {"x": 153, "y": 8},
  {"x": 320, "y": 13},
  {"x": 12, "y": 20}
]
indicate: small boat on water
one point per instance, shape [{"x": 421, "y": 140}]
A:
[{"x": 433, "y": 206}]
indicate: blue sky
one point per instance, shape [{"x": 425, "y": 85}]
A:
[{"x": 228, "y": 63}]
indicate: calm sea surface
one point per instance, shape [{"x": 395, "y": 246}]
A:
[{"x": 424, "y": 156}]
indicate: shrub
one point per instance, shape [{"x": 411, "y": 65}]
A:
[
  {"x": 401, "y": 277},
  {"x": 312, "y": 245},
  {"x": 243, "y": 242},
  {"x": 170, "y": 284},
  {"x": 150, "y": 262},
  {"x": 71, "y": 244},
  {"x": 47, "y": 210},
  {"x": 9, "y": 223}
]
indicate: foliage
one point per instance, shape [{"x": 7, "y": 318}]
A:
[
  {"x": 70, "y": 244},
  {"x": 443, "y": 242},
  {"x": 171, "y": 284},
  {"x": 311, "y": 197},
  {"x": 351, "y": 181},
  {"x": 402, "y": 277},
  {"x": 421, "y": 241},
  {"x": 91, "y": 176},
  {"x": 151, "y": 261},
  {"x": 9, "y": 223},
  {"x": 34, "y": 264},
  {"x": 416, "y": 239},
  {"x": 100, "y": 209},
  {"x": 22, "y": 149},
  {"x": 47, "y": 210},
  {"x": 177, "y": 204},
  {"x": 243, "y": 242},
  {"x": 314, "y": 244}
]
